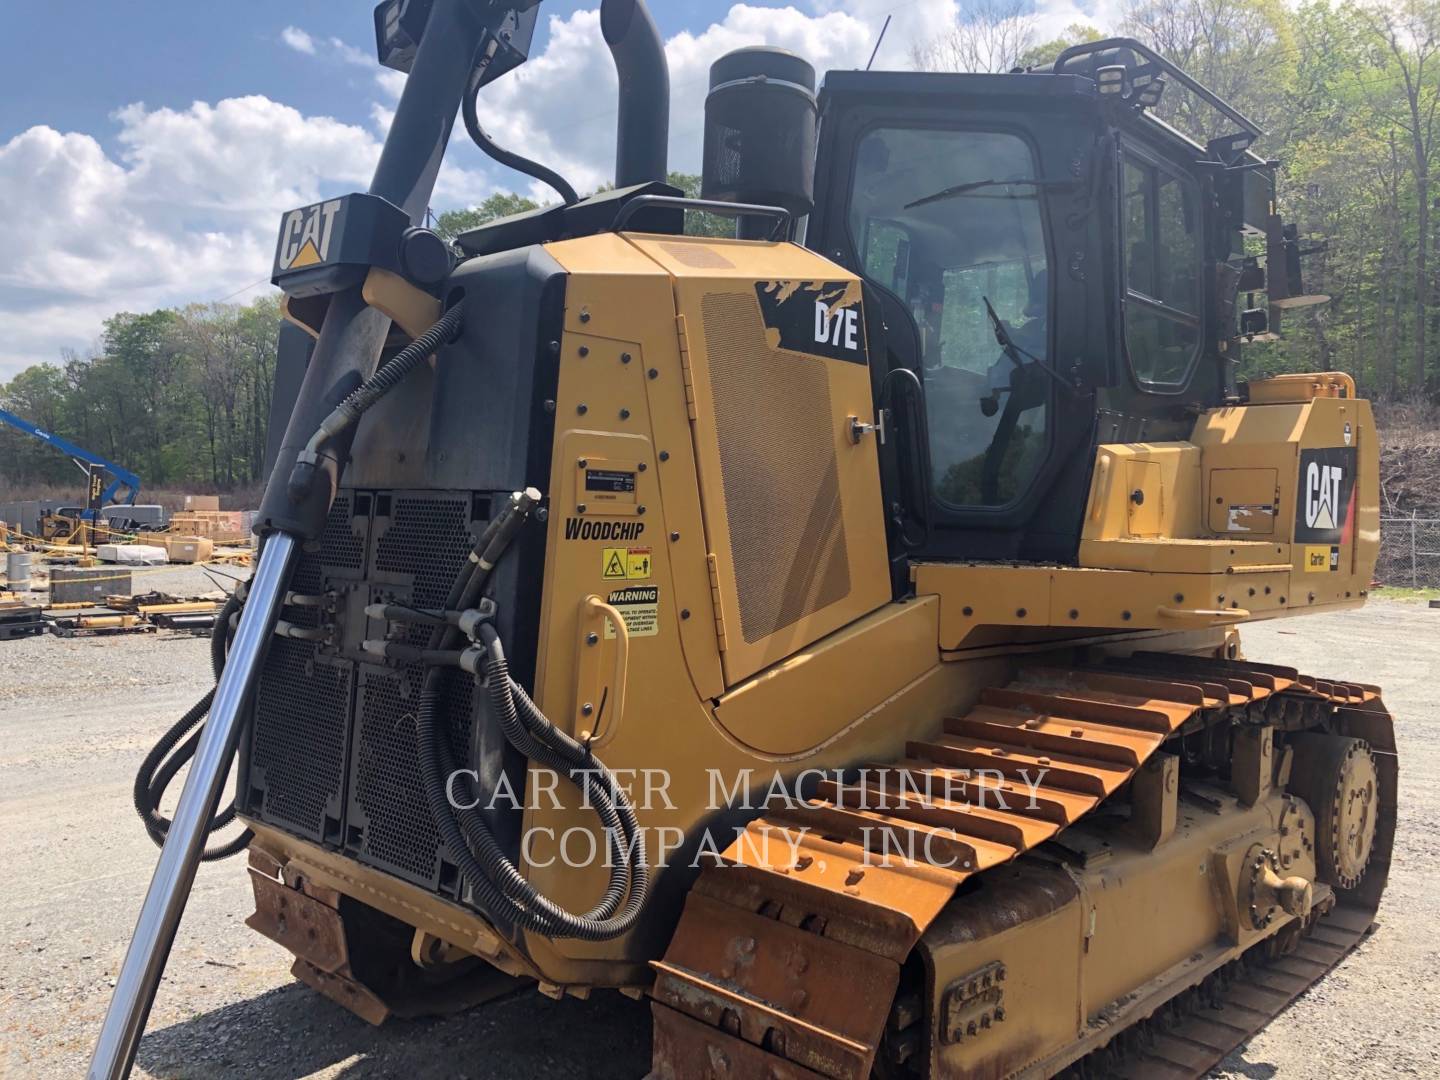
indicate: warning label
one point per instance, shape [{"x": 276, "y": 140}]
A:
[
  {"x": 629, "y": 563},
  {"x": 639, "y": 606}
]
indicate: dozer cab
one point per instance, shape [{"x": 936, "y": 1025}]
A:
[{"x": 828, "y": 633}]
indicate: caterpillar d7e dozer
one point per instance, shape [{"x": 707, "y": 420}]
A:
[{"x": 829, "y": 632}]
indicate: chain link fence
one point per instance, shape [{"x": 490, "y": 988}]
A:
[{"x": 1409, "y": 553}]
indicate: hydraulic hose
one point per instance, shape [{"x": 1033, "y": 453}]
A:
[
  {"x": 499, "y": 885},
  {"x": 358, "y": 402},
  {"x": 161, "y": 765},
  {"x": 509, "y": 158}
]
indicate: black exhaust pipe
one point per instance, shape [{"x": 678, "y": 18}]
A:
[{"x": 643, "y": 132}]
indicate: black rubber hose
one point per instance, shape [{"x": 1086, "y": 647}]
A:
[
  {"x": 499, "y": 885},
  {"x": 509, "y": 158},
  {"x": 161, "y": 764},
  {"x": 402, "y": 363}
]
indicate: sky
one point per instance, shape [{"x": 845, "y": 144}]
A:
[{"x": 148, "y": 150}]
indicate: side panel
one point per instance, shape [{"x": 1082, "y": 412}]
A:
[
  {"x": 775, "y": 348},
  {"x": 1268, "y": 510}
]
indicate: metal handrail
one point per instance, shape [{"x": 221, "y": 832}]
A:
[
  {"x": 1170, "y": 68},
  {"x": 712, "y": 206}
]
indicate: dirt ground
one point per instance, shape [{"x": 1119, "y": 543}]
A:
[{"x": 76, "y": 717}]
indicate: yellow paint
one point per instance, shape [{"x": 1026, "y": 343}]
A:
[
  {"x": 308, "y": 255},
  {"x": 637, "y": 564}
]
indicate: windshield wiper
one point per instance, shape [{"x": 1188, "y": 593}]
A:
[
  {"x": 976, "y": 185},
  {"x": 1014, "y": 352}
]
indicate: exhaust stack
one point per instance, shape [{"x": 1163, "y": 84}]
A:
[{"x": 643, "y": 131}]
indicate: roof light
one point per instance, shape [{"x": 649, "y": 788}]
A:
[
  {"x": 1111, "y": 79},
  {"x": 1148, "y": 96}
]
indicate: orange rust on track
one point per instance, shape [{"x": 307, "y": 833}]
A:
[{"x": 834, "y": 894}]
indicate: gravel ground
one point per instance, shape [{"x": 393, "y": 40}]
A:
[{"x": 77, "y": 715}]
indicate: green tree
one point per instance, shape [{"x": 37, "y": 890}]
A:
[
  {"x": 698, "y": 222},
  {"x": 452, "y": 223},
  {"x": 1046, "y": 52}
]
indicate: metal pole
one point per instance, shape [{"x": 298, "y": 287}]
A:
[
  {"x": 1414, "y": 570},
  {"x": 175, "y": 872}
]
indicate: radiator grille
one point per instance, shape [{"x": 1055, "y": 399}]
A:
[
  {"x": 776, "y": 432},
  {"x": 395, "y": 830},
  {"x": 298, "y": 753},
  {"x": 426, "y": 542},
  {"x": 302, "y": 707},
  {"x": 389, "y": 826}
]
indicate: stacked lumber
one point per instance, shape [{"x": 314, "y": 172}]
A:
[{"x": 217, "y": 526}]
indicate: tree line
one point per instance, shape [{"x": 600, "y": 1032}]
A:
[
  {"x": 179, "y": 396},
  {"x": 182, "y": 396}
]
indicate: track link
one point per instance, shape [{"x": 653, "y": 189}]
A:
[{"x": 787, "y": 958}]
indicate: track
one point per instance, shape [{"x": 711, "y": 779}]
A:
[
  {"x": 1194, "y": 1033},
  {"x": 787, "y": 959}
]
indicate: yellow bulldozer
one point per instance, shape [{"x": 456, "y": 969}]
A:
[{"x": 828, "y": 632}]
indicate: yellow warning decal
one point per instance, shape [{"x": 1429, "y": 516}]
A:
[
  {"x": 625, "y": 563},
  {"x": 1320, "y": 560},
  {"x": 308, "y": 255},
  {"x": 637, "y": 563}
]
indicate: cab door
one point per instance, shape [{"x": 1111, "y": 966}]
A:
[{"x": 966, "y": 203}]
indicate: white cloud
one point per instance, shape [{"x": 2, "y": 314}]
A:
[
  {"x": 298, "y": 40},
  {"x": 560, "y": 107},
  {"x": 351, "y": 55},
  {"x": 329, "y": 48},
  {"x": 187, "y": 208}
]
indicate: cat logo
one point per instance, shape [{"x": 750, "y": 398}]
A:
[
  {"x": 1322, "y": 495},
  {"x": 1324, "y": 504},
  {"x": 305, "y": 236}
]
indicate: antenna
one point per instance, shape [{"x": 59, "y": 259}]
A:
[{"x": 878, "y": 40}]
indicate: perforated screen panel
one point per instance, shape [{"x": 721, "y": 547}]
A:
[
  {"x": 298, "y": 737},
  {"x": 702, "y": 258},
  {"x": 332, "y": 752},
  {"x": 389, "y": 817},
  {"x": 776, "y": 431},
  {"x": 420, "y": 541}
]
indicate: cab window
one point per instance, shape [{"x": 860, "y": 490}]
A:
[
  {"x": 1160, "y": 220},
  {"x": 948, "y": 220}
]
